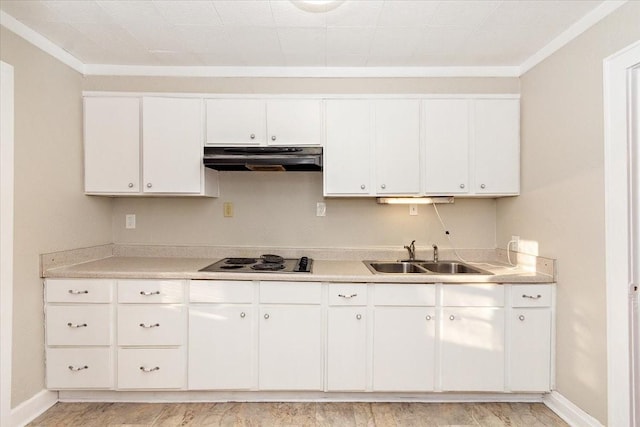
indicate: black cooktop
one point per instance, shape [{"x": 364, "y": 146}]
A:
[{"x": 263, "y": 264}]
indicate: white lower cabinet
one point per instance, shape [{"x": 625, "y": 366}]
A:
[
  {"x": 151, "y": 368},
  {"x": 79, "y": 368}
]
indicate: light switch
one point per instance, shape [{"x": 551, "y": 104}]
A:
[
  {"x": 413, "y": 210},
  {"x": 321, "y": 209},
  {"x": 130, "y": 221}
]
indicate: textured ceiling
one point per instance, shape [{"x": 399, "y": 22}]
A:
[{"x": 277, "y": 33}]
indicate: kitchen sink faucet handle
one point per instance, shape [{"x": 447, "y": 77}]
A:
[{"x": 412, "y": 250}]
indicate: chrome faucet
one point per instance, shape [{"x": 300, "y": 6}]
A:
[
  {"x": 412, "y": 250},
  {"x": 435, "y": 252}
]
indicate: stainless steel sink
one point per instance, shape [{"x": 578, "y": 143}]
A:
[
  {"x": 451, "y": 267},
  {"x": 394, "y": 267},
  {"x": 428, "y": 267}
]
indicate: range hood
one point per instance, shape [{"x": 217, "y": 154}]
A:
[{"x": 263, "y": 158}]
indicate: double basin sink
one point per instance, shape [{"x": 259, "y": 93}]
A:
[{"x": 422, "y": 267}]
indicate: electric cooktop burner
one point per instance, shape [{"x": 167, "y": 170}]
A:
[{"x": 264, "y": 264}]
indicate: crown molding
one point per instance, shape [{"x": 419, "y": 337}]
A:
[
  {"x": 303, "y": 72},
  {"x": 582, "y": 25},
  {"x": 38, "y": 40}
]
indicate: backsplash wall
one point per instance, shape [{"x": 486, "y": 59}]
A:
[{"x": 279, "y": 209}]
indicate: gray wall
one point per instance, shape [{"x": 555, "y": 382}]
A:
[
  {"x": 561, "y": 206},
  {"x": 51, "y": 212}
]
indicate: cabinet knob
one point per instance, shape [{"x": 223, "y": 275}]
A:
[
  {"x": 452, "y": 317},
  {"x": 154, "y": 325},
  {"x": 273, "y": 137},
  {"x": 461, "y": 185},
  {"x": 77, "y": 368},
  {"x": 77, "y": 325},
  {"x": 243, "y": 315},
  {"x": 383, "y": 186},
  {"x": 521, "y": 318},
  {"x": 428, "y": 317},
  {"x": 252, "y": 136},
  {"x": 483, "y": 186},
  {"x": 130, "y": 185},
  {"x": 143, "y": 369},
  {"x": 149, "y": 185},
  {"x": 266, "y": 316},
  {"x": 362, "y": 187},
  {"x": 358, "y": 316}
]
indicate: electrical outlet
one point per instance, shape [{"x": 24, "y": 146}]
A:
[
  {"x": 321, "y": 209},
  {"x": 227, "y": 209},
  {"x": 515, "y": 243},
  {"x": 130, "y": 221},
  {"x": 413, "y": 210}
]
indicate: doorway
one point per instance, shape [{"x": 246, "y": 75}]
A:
[{"x": 622, "y": 208}]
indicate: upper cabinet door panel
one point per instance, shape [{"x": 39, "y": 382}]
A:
[
  {"x": 497, "y": 146},
  {"x": 294, "y": 122},
  {"x": 397, "y": 145},
  {"x": 236, "y": 122},
  {"x": 446, "y": 127},
  {"x": 172, "y": 145},
  {"x": 112, "y": 145},
  {"x": 347, "y": 152}
]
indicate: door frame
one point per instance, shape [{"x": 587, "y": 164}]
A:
[
  {"x": 619, "y": 258},
  {"x": 6, "y": 237}
]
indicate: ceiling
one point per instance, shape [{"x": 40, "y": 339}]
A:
[{"x": 279, "y": 33}]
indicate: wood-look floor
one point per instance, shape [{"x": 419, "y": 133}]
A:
[{"x": 299, "y": 414}]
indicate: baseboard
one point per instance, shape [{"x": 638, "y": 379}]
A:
[
  {"x": 28, "y": 410},
  {"x": 568, "y": 411}
]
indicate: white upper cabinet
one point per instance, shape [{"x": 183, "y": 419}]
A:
[
  {"x": 112, "y": 145},
  {"x": 348, "y": 148},
  {"x": 472, "y": 146},
  {"x": 397, "y": 146},
  {"x": 279, "y": 122},
  {"x": 496, "y": 124},
  {"x": 446, "y": 128},
  {"x": 171, "y": 145},
  {"x": 372, "y": 147},
  {"x": 158, "y": 152}
]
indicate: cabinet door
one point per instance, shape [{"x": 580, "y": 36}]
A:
[
  {"x": 294, "y": 122},
  {"x": 236, "y": 122},
  {"x": 530, "y": 349},
  {"x": 290, "y": 347},
  {"x": 221, "y": 342},
  {"x": 111, "y": 145},
  {"x": 497, "y": 146},
  {"x": 472, "y": 349},
  {"x": 446, "y": 128},
  {"x": 347, "y": 152},
  {"x": 403, "y": 349},
  {"x": 346, "y": 349},
  {"x": 397, "y": 146},
  {"x": 172, "y": 145}
]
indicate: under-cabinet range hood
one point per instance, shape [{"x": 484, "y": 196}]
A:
[{"x": 263, "y": 158}]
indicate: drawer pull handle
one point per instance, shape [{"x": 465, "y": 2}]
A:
[
  {"x": 429, "y": 317},
  {"x": 452, "y": 317},
  {"x": 147, "y": 293},
  {"x": 77, "y": 292},
  {"x": 77, "y": 368},
  {"x": 531, "y": 296},
  {"x": 144, "y": 325},
  {"x": 143, "y": 369},
  {"x": 358, "y": 316},
  {"x": 77, "y": 325},
  {"x": 347, "y": 296},
  {"x": 243, "y": 314},
  {"x": 521, "y": 317}
]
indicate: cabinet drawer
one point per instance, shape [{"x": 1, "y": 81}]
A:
[
  {"x": 149, "y": 368},
  {"x": 473, "y": 295},
  {"x": 79, "y": 290},
  {"x": 151, "y": 325},
  {"x": 79, "y": 324},
  {"x": 221, "y": 291},
  {"x": 407, "y": 295},
  {"x": 290, "y": 292},
  {"x": 531, "y": 295},
  {"x": 345, "y": 294},
  {"x": 78, "y": 368},
  {"x": 150, "y": 291}
]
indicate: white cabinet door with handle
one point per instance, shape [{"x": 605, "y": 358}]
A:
[
  {"x": 346, "y": 349},
  {"x": 530, "y": 349}
]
